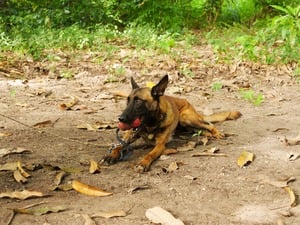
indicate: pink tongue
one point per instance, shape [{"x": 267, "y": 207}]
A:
[
  {"x": 124, "y": 126},
  {"x": 136, "y": 123}
]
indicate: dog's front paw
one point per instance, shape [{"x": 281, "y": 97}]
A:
[
  {"x": 143, "y": 166},
  {"x": 217, "y": 134},
  {"x": 113, "y": 157}
]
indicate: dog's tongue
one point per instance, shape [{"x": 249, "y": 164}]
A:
[{"x": 125, "y": 126}]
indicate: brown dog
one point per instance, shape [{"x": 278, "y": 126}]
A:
[{"x": 154, "y": 116}]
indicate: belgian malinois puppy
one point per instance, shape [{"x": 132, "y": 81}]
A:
[{"x": 154, "y": 116}]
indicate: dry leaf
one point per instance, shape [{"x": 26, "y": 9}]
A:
[
  {"x": 38, "y": 211},
  {"x": 245, "y": 158},
  {"x": 22, "y": 195},
  {"x": 62, "y": 187},
  {"x": 281, "y": 183},
  {"x": 94, "y": 167},
  {"x": 88, "y": 189},
  {"x": 187, "y": 147},
  {"x": 141, "y": 187},
  {"x": 8, "y": 151},
  {"x": 110, "y": 214},
  {"x": 22, "y": 171},
  {"x": 161, "y": 216},
  {"x": 70, "y": 104},
  {"x": 58, "y": 178},
  {"x": 5, "y": 134},
  {"x": 293, "y": 157},
  {"x": 189, "y": 177},
  {"x": 11, "y": 166},
  {"x": 293, "y": 197},
  {"x": 213, "y": 150},
  {"x": 98, "y": 125},
  {"x": 292, "y": 141},
  {"x": 209, "y": 154},
  {"x": 18, "y": 177},
  {"x": 45, "y": 123}
]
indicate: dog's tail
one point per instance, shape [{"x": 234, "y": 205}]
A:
[{"x": 222, "y": 116}]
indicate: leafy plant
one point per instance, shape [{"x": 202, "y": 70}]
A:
[
  {"x": 216, "y": 86},
  {"x": 255, "y": 98}
]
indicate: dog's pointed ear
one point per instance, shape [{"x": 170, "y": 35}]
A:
[
  {"x": 134, "y": 84},
  {"x": 159, "y": 89}
]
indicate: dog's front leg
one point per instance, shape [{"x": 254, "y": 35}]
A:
[{"x": 160, "y": 143}]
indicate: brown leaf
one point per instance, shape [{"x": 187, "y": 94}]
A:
[
  {"x": 22, "y": 171},
  {"x": 110, "y": 214},
  {"x": 11, "y": 166},
  {"x": 292, "y": 141},
  {"x": 293, "y": 197},
  {"x": 18, "y": 177},
  {"x": 245, "y": 158},
  {"x": 169, "y": 151},
  {"x": 8, "y": 151},
  {"x": 22, "y": 195},
  {"x": 141, "y": 187},
  {"x": 94, "y": 167},
  {"x": 58, "y": 178},
  {"x": 280, "y": 183},
  {"x": 5, "y": 134},
  {"x": 62, "y": 187},
  {"x": 158, "y": 215},
  {"x": 88, "y": 189},
  {"x": 42, "y": 124},
  {"x": 98, "y": 125},
  {"x": 68, "y": 105},
  {"x": 209, "y": 154},
  {"x": 38, "y": 211}
]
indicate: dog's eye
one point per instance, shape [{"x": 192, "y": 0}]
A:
[{"x": 138, "y": 101}]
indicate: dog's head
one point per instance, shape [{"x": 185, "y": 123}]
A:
[{"x": 142, "y": 105}]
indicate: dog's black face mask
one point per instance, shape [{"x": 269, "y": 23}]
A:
[{"x": 142, "y": 105}]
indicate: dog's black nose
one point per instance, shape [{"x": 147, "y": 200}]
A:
[{"x": 122, "y": 118}]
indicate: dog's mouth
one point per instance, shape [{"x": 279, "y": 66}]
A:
[{"x": 125, "y": 126}]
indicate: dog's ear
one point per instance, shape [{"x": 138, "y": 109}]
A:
[
  {"x": 159, "y": 89},
  {"x": 134, "y": 84}
]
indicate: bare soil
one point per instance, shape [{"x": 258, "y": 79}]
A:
[{"x": 203, "y": 190}]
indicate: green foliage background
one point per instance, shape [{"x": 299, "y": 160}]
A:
[{"x": 267, "y": 31}]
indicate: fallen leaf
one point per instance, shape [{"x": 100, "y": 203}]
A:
[
  {"x": 18, "y": 177},
  {"x": 98, "y": 125},
  {"x": 161, "y": 216},
  {"x": 94, "y": 167},
  {"x": 110, "y": 214},
  {"x": 187, "y": 147},
  {"x": 62, "y": 187},
  {"x": 68, "y": 105},
  {"x": 293, "y": 157},
  {"x": 245, "y": 158},
  {"x": 22, "y": 195},
  {"x": 22, "y": 171},
  {"x": 292, "y": 141},
  {"x": 45, "y": 123},
  {"x": 5, "y": 134},
  {"x": 293, "y": 197},
  {"x": 141, "y": 187},
  {"x": 8, "y": 151},
  {"x": 213, "y": 150},
  {"x": 281, "y": 183},
  {"x": 164, "y": 157},
  {"x": 189, "y": 177},
  {"x": 38, "y": 211},
  {"x": 88, "y": 189},
  {"x": 279, "y": 129},
  {"x": 58, "y": 178},
  {"x": 11, "y": 166}
]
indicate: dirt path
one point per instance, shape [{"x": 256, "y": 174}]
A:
[{"x": 203, "y": 190}]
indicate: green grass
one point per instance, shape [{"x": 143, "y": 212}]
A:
[{"x": 255, "y": 98}]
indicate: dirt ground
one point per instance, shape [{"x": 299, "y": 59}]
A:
[{"x": 203, "y": 190}]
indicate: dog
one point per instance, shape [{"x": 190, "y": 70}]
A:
[{"x": 154, "y": 116}]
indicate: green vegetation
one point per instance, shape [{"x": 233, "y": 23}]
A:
[
  {"x": 266, "y": 31},
  {"x": 249, "y": 95}
]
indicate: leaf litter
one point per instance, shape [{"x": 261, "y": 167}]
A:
[
  {"x": 161, "y": 216},
  {"x": 245, "y": 158},
  {"x": 88, "y": 189},
  {"x": 8, "y": 151},
  {"x": 22, "y": 195}
]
